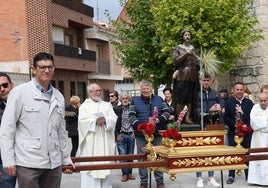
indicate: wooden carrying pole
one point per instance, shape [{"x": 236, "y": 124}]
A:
[
  {"x": 253, "y": 154},
  {"x": 256, "y": 154}
]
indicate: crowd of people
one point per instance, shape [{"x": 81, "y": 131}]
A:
[{"x": 36, "y": 124}]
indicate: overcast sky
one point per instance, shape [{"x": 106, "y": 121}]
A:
[{"x": 112, "y": 6}]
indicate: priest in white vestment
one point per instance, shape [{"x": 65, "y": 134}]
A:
[
  {"x": 258, "y": 170},
  {"x": 96, "y": 124}
]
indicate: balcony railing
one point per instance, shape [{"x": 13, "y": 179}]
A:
[
  {"x": 77, "y": 6},
  {"x": 69, "y": 51},
  {"x": 103, "y": 67}
]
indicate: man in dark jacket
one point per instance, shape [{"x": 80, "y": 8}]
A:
[
  {"x": 124, "y": 134},
  {"x": 231, "y": 105},
  {"x": 211, "y": 114},
  {"x": 5, "y": 86},
  {"x": 142, "y": 110},
  {"x": 212, "y": 103}
]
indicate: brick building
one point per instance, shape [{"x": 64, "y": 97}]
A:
[{"x": 62, "y": 28}]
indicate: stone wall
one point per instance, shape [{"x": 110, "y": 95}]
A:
[{"x": 252, "y": 69}]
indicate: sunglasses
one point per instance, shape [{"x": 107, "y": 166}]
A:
[
  {"x": 4, "y": 85},
  {"x": 111, "y": 95}
]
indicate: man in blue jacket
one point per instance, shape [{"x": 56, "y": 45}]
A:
[{"x": 141, "y": 110}]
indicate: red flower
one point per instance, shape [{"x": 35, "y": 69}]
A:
[
  {"x": 146, "y": 128},
  {"x": 172, "y": 133},
  {"x": 242, "y": 129}
]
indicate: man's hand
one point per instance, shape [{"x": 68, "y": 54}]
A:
[
  {"x": 100, "y": 121},
  {"x": 119, "y": 138},
  {"x": 215, "y": 107},
  {"x": 171, "y": 117},
  {"x": 69, "y": 170},
  {"x": 189, "y": 51},
  {"x": 11, "y": 170}
]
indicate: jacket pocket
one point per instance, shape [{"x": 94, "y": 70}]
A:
[
  {"x": 31, "y": 142},
  {"x": 30, "y": 108},
  {"x": 60, "y": 110}
]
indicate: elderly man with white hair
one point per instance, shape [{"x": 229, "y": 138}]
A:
[
  {"x": 96, "y": 124},
  {"x": 258, "y": 173}
]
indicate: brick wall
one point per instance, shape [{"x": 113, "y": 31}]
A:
[
  {"x": 13, "y": 37},
  {"x": 39, "y": 27}
]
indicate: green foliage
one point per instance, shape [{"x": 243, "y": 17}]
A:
[
  {"x": 210, "y": 62},
  {"x": 174, "y": 125},
  {"x": 225, "y": 26},
  {"x": 153, "y": 26},
  {"x": 137, "y": 50}
]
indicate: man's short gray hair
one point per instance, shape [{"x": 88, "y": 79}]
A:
[
  {"x": 146, "y": 83},
  {"x": 123, "y": 94}
]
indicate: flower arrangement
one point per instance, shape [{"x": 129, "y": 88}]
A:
[
  {"x": 172, "y": 133},
  {"x": 146, "y": 128},
  {"x": 173, "y": 128},
  {"x": 181, "y": 115},
  {"x": 241, "y": 128}
]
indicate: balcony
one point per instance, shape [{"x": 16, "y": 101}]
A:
[
  {"x": 78, "y": 53},
  {"x": 103, "y": 67},
  {"x": 76, "y": 6}
]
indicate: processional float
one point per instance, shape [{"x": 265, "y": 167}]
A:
[{"x": 195, "y": 151}]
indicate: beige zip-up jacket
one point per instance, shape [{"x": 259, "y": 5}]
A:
[{"x": 32, "y": 132}]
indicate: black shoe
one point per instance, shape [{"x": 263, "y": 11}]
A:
[
  {"x": 230, "y": 180},
  {"x": 143, "y": 186}
]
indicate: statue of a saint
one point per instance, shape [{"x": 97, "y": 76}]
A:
[{"x": 185, "y": 77}]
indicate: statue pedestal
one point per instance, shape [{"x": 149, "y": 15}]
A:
[
  {"x": 190, "y": 127},
  {"x": 199, "y": 151}
]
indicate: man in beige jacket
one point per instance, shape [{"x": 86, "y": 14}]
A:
[{"x": 34, "y": 142}]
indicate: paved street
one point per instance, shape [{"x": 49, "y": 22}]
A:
[{"x": 185, "y": 180}]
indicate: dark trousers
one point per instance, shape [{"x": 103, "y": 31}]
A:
[
  {"x": 74, "y": 145},
  {"x": 41, "y": 178},
  {"x": 246, "y": 144}
]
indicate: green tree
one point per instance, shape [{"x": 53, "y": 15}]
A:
[
  {"x": 153, "y": 26},
  {"x": 226, "y": 26},
  {"x": 136, "y": 49}
]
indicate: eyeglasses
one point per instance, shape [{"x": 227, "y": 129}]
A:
[
  {"x": 43, "y": 68},
  {"x": 96, "y": 91},
  {"x": 111, "y": 96},
  {"x": 4, "y": 85}
]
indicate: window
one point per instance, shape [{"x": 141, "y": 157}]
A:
[
  {"x": 105, "y": 94},
  {"x": 81, "y": 91},
  {"x": 68, "y": 40},
  {"x": 72, "y": 89},
  {"x": 61, "y": 87},
  {"x": 125, "y": 81}
]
